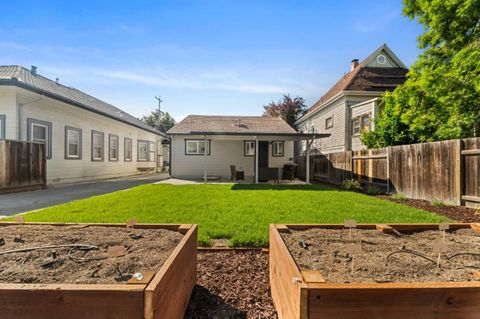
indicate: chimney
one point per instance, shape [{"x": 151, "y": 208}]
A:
[
  {"x": 57, "y": 80},
  {"x": 33, "y": 70},
  {"x": 354, "y": 64}
]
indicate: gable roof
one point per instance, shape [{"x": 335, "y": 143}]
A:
[
  {"x": 24, "y": 78},
  {"x": 212, "y": 124},
  {"x": 367, "y": 78}
]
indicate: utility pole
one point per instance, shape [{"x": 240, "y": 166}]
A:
[{"x": 159, "y": 123}]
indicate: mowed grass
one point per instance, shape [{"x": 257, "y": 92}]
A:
[{"x": 240, "y": 213}]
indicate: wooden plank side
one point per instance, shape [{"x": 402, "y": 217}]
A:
[
  {"x": 394, "y": 303},
  {"x": 285, "y": 279},
  {"x": 168, "y": 294},
  {"x": 73, "y": 303}
]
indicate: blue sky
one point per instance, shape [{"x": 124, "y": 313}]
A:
[{"x": 202, "y": 57}]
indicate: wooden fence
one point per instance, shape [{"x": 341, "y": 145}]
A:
[
  {"x": 448, "y": 171},
  {"x": 22, "y": 166}
]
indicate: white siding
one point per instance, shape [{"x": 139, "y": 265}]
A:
[
  {"x": 8, "y": 107},
  {"x": 224, "y": 152},
  {"x": 60, "y": 114}
]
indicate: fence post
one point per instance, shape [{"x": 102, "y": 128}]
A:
[
  {"x": 388, "y": 169},
  {"x": 459, "y": 178}
]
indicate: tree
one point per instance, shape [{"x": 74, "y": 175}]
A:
[
  {"x": 159, "y": 120},
  {"x": 289, "y": 109},
  {"x": 441, "y": 96}
]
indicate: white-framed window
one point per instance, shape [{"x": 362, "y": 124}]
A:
[
  {"x": 127, "y": 148},
  {"x": 329, "y": 122},
  {"x": 249, "y": 148},
  {"x": 112, "y": 148},
  {"x": 277, "y": 148},
  {"x": 356, "y": 126},
  {"x": 2, "y": 126},
  {"x": 40, "y": 132},
  {"x": 97, "y": 146},
  {"x": 142, "y": 147},
  {"x": 197, "y": 147},
  {"x": 73, "y": 143},
  {"x": 151, "y": 146}
]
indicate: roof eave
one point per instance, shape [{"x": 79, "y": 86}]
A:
[{"x": 15, "y": 82}]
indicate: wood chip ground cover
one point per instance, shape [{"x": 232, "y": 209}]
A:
[
  {"x": 146, "y": 250},
  {"x": 232, "y": 284},
  {"x": 325, "y": 250}
]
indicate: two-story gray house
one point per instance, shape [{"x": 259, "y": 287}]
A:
[{"x": 351, "y": 104}]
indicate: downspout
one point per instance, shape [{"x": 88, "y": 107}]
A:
[
  {"x": 20, "y": 114},
  {"x": 205, "y": 179}
]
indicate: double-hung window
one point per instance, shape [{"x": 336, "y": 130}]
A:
[
  {"x": 112, "y": 148},
  {"x": 142, "y": 151},
  {"x": 97, "y": 146},
  {"x": 197, "y": 147},
  {"x": 249, "y": 148},
  {"x": 277, "y": 148},
  {"x": 366, "y": 123},
  {"x": 356, "y": 126},
  {"x": 41, "y": 132},
  {"x": 151, "y": 146},
  {"x": 2, "y": 126},
  {"x": 73, "y": 143},
  {"x": 127, "y": 147}
]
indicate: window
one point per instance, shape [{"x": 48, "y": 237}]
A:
[
  {"x": 40, "y": 132},
  {"x": 312, "y": 128},
  {"x": 97, "y": 146},
  {"x": 142, "y": 151},
  {"x": 2, "y": 126},
  {"x": 356, "y": 126},
  {"x": 112, "y": 148},
  {"x": 329, "y": 122},
  {"x": 249, "y": 148},
  {"x": 127, "y": 147},
  {"x": 196, "y": 147},
  {"x": 277, "y": 148},
  {"x": 366, "y": 123},
  {"x": 152, "y": 151},
  {"x": 73, "y": 143}
]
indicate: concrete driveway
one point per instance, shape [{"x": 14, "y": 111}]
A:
[{"x": 15, "y": 203}]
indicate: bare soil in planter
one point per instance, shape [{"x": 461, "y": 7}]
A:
[
  {"x": 327, "y": 253},
  {"x": 146, "y": 250},
  {"x": 458, "y": 213},
  {"x": 232, "y": 284}
]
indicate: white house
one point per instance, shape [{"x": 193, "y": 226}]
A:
[
  {"x": 352, "y": 103},
  {"x": 208, "y": 146},
  {"x": 85, "y": 138}
]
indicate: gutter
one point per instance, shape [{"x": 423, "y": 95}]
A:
[{"x": 57, "y": 97}]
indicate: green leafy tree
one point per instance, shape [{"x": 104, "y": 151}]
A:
[
  {"x": 288, "y": 108},
  {"x": 159, "y": 120},
  {"x": 441, "y": 97}
]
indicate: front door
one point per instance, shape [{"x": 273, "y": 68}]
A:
[{"x": 262, "y": 154}]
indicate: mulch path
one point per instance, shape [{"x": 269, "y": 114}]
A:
[
  {"x": 232, "y": 284},
  {"x": 457, "y": 213}
]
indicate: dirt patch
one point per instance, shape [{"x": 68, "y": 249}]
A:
[
  {"x": 232, "y": 284},
  {"x": 458, "y": 213},
  {"x": 325, "y": 250},
  {"x": 146, "y": 250}
]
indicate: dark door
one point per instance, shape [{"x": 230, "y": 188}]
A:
[{"x": 262, "y": 154}]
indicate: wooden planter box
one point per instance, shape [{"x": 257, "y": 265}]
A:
[
  {"x": 304, "y": 294},
  {"x": 165, "y": 296}
]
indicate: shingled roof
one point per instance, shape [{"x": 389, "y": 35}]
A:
[
  {"x": 231, "y": 125},
  {"x": 25, "y": 78},
  {"x": 367, "y": 78}
]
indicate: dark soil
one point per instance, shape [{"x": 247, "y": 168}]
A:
[
  {"x": 147, "y": 250},
  {"x": 232, "y": 284},
  {"x": 327, "y": 253},
  {"x": 458, "y": 213}
]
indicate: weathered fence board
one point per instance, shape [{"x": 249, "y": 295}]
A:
[
  {"x": 22, "y": 166},
  {"x": 448, "y": 171}
]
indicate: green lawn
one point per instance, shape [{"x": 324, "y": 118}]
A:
[{"x": 238, "y": 212}]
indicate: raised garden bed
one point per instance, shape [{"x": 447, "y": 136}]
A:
[
  {"x": 96, "y": 275},
  {"x": 381, "y": 271}
]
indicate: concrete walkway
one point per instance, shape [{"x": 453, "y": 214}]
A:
[{"x": 15, "y": 203}]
